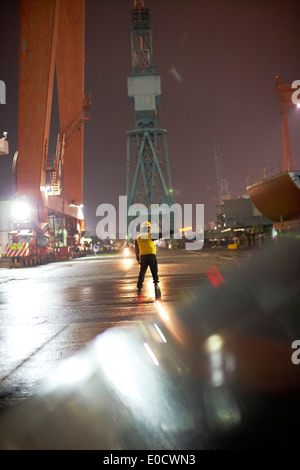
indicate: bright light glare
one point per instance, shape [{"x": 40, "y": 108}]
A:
[
  {"x": 21, "y": 210},
  {"x": 214, "y": 343},
  {"x": 298, "y": 105},
  {"x": 132, "y": 377},
  {"x": 115, "y": 358},
  {"x": 160, "y": 333},
  {"x": 274, "y": 233},
  {"x": 161, "y": 310},
  {"x": 128, "y": 261},
  {"x": 151, "y": 354},
  {"x": 73, "y": 370}
]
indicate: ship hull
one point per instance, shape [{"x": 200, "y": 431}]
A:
[{"x": 278, "y": 197}]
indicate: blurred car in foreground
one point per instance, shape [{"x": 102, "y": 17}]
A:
[{"x": 219, "y": 371}]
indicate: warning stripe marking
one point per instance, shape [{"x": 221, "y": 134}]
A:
[{"x": 13, "y": 250}]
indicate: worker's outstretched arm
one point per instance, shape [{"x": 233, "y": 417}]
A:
[
  {"x": 160, "y": 235},
  {"x": 157, "y": 238}
]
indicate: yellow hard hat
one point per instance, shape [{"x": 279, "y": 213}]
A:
[{"x": 146, "y": 224}]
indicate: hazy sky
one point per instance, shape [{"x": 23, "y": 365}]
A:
[{"x": 217, "y": 61}]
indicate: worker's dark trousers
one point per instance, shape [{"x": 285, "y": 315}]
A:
[{"x": 151, "y": 261}]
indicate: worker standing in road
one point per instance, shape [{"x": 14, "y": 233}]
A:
[
  {"x": 95, "y": 249},
  {"x": 145, "y": 251}
]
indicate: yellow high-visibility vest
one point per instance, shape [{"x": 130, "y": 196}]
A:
[{"x": 146, "y": 245}]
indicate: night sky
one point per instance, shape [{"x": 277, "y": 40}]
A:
[{"x": 217, "y": 61}]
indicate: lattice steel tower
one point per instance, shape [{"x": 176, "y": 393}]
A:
[
  {"x": 223, "y": 188},
  {"x": 148, "y": 172}
]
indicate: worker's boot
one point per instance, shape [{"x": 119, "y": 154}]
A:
[
  {"x": 157, "y": 291},
  {"x": 139, "y": 291}
]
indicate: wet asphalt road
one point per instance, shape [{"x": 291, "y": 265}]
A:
[{"x": 47, "y": 313}]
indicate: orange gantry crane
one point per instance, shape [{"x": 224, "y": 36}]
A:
[
  {"x": 284, "y": 93},
  {"x": 47, "y": 215}
]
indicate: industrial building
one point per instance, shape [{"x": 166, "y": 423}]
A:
[{"x": 240, "y": 212}]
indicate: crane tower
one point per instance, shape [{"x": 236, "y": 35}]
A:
[
  {"x": 223, "y": 189},
  {"x": 148, "y": 177}
]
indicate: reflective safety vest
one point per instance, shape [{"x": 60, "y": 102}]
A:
[{"x": 146, "y": 244}]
